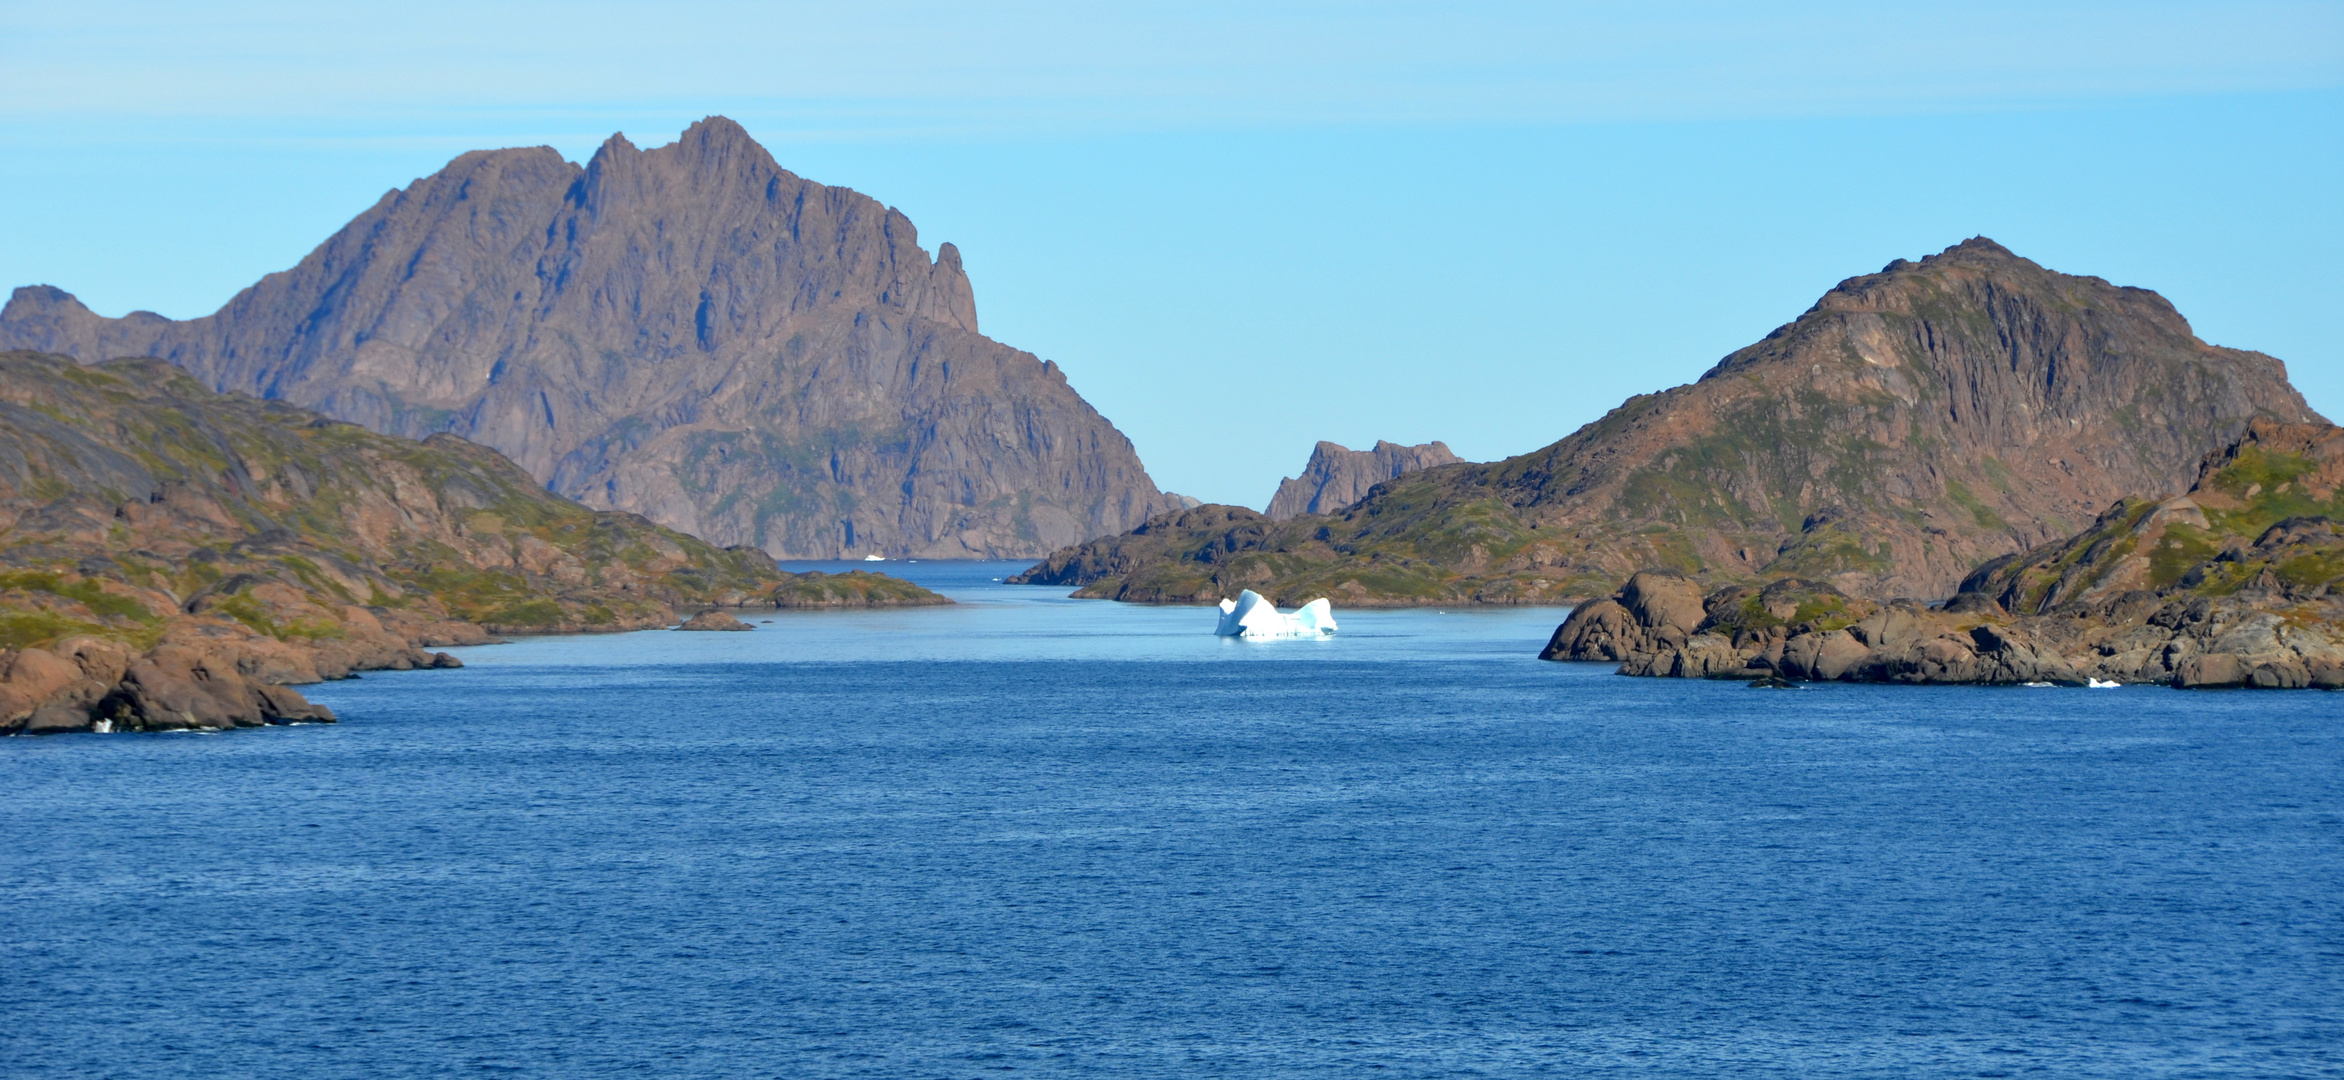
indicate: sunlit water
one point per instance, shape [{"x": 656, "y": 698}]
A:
[{"x": 1033, "y": 836}]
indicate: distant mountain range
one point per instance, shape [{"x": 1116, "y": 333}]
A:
[
  {"x": 1912, "y": 424},
  {"x": 691, "y": 333}
]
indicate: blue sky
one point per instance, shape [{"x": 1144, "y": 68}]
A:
[{"x": 1245, "y": 228}]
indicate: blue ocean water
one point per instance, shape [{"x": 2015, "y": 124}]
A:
[{"x": 1033, "y": 836}]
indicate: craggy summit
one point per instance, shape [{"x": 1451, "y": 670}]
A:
[{"x": 692, "y": 333}]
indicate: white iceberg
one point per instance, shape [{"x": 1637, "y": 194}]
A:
[{"x": 1251, "y": 616}]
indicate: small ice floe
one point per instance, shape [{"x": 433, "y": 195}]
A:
[
  {"x": 874, "y": 558},
  {"x": 1251, "y": 616},
  {"x": 2035, "y": 684},
  {"x": 2102, "y": 684}
]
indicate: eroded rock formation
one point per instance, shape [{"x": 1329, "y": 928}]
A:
[{"x": 1336, "y": 477}]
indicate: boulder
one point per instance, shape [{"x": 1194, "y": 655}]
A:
[
  {"x": 1821, "y": 657},
  {"x": 1654, "y": 614},
  {"x": 1661, "y": 599},
  {"x": 2265, "y": 671},
  {"x": 175, "y": 687},
  {"x": 1601, "y": 630}
]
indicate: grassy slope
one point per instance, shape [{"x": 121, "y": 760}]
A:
[
  {"x": 2215, "y": 541},
  {"x": 130, "y": 490}
]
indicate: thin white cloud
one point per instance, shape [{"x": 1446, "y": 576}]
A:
[{"x": 924, "y": 69}]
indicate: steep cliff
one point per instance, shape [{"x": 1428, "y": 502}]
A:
[
  {"x": 691, "y": 333},
  {"x": 1911, "y": 424},
  {"x": 169, "y": 556},
  {"x": 1336, "y": 476}
]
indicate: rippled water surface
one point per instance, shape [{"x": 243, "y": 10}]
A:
[{"x": 1032, "y": 836}]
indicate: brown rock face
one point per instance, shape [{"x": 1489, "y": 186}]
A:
[
  {"x": 2238, "y": 584},
  {"x": 691, "y": 333},
  {"x": 1911, "y": 424},
  {"x": 1336, "y": 477}
]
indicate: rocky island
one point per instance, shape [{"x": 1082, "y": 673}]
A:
[
  {"x": 1912, "y": 424},
  {"x": 852, "y": 589},
  {"x": 172, "y": 557},
  {"x": 2237, "y": 583},
  {"x": 714, "y": 620}
]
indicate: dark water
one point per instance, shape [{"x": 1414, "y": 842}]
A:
[{"x": 1027, "y": 836}]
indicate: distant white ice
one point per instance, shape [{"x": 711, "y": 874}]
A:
[{"x": 1251, "y": 616}]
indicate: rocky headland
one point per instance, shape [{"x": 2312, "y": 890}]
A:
[
  {"x": 2237, "y": 583},
  {"x": 1336, "y": 477},
  {"x": 171, "y": 557},
  {"x": 852, "y": 589},
  {"x": 691, "y": 333},
  {"x": 1912, "y": 424}
]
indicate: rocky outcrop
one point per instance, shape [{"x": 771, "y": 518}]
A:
[
  {"x": 1336, "y": 477},
  {"x": 1912, "y": 424},
  {"x": 714, "y": 620},
  {"x": 2185, "y": 641},
  {"x": 171, "y": 557},
  {"x": 1171, "y": 558},
  {"x": 2240, "y": 583},
  {"x": 691, "y": 333},
  {"x": 853, "y": 589}
]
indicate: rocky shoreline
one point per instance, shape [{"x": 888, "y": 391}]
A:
[
  {"x": 204, "y": 674},
  {"x": 173, "y": 558},
  {"x": 1660, "y": 624},
  {"x": 2237, "y": 583}
]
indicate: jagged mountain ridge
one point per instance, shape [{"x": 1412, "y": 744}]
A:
[
  {"x": 1910, "y": 425},
  {"x": 1337, "y": 476},
  {"x": 690, "y": 332}
]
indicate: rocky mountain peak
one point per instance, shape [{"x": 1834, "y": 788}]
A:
[
  {"x": 1336, "y": 476},
  {"x": 690, "y": 332},
  {"x": 1910, "y": 425}
]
